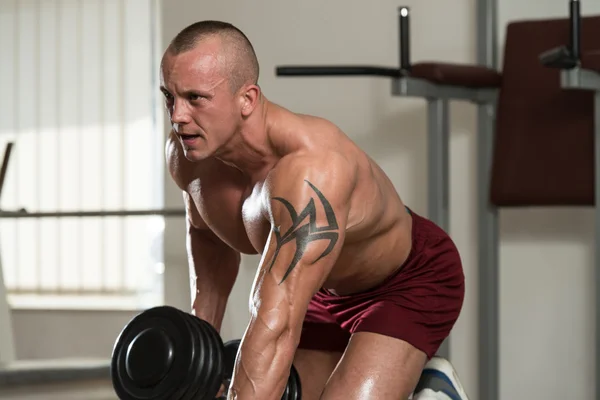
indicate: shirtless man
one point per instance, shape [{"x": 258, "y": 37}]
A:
[{"x": 352, "y": 287}]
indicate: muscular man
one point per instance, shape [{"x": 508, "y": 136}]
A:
[{"x": 352, "y": 287}]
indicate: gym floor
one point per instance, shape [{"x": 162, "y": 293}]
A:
[{"x": 90, "y": 390}]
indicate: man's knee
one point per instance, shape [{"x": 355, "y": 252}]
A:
[{"x": 315, "y": 367}]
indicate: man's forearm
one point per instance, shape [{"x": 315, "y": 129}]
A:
[
  {"x": 266, "y": 358},
  {"x": 213, "y": 271}
]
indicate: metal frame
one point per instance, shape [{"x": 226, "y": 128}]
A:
[
  {"x": 487, "y": 216},
  {"x": 438, "y": 204},
  {"x": 93, "y": 213},
  {"x": 414, "y": 87},
  {"x": 438, "y": 119},
  {"x": 578, "y": 79}
]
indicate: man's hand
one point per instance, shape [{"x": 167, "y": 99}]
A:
[{"x": 307, "y": 201}]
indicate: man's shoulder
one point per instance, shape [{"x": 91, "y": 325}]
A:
[
  {"x": 325, "y": 169},
  {"x": 313, "y": 161}
]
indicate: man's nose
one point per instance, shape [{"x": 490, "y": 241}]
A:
[{"x": 180, "y": 114}]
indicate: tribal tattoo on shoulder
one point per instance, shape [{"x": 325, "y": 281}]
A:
[{"x": 304, "y": 229}]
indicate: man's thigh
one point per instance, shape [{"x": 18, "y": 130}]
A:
[
  {"x": 375, "y": 366},
  {"x": 315, "y": 367}
]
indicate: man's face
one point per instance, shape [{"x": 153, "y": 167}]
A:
[{"x": 202, "y": 109}]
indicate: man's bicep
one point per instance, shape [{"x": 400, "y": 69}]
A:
[
  {"x": 308, "y": 209},
  {"x": 306, "y": 228}
]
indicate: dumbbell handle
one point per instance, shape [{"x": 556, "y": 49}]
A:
[{"x": 293, "y": 390}]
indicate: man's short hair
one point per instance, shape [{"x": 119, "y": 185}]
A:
[{"x": 238, "y": 53}]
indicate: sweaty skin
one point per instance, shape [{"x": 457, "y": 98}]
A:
[{"x": 259, "y": 179}]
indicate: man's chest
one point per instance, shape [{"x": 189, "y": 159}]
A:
[{"x": 236, "y": 213}]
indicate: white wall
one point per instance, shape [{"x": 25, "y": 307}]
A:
[
  {"x": 546, "y": 254},
  {"x": 56, "y": 334},
  {"x": 547, "y": 281}
]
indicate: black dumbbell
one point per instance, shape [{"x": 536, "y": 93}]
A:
[{"x": 167, "y": 354}]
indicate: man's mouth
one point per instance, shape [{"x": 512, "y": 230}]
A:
[{"x": 188, "y": 139}]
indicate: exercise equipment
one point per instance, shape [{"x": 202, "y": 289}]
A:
[
  {"x": 438, "y": 83},
  {"x": 165, "y": 353},
  {"x": 552, "y": 53}
]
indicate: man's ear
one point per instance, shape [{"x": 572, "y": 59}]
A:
[{"x": 249, "y": 99}]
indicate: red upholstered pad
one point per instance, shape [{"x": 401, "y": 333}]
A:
[
  {"x": 473, "y": 76},
  {"x": 544, "y": 143},
  {"x": 591, "y": 60}
]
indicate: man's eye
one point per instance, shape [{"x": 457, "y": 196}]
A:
[{"x": 194, "y": 97}]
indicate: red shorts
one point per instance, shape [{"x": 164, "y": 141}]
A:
[{"x": 419, "y": 303}]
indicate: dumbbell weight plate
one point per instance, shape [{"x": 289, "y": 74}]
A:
[
  {"x": 218, "y": 360},
  {"x": 208, "y": 361},
  {"x": 153, "y": 356},
  {"x": 199, "y": 365}
]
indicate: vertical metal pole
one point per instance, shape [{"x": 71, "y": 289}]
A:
[
  {"x": 403, "y": 21},
  {"x": 438, "y": 132},
  {"x": 487, "y": 227},
  {"x": 597, "y": 232},
  {"x": 487, "y": 215}
]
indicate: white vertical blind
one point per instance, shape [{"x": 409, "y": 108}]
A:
[{"x": 78, "y": 81}]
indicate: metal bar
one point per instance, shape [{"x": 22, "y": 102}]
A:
[
  {"x": 404, "y": 31},
  {"x": 74, "y": 292},
  {"x": 337, "y": 70},
  {"x": 438, "y": 132},
  {"x": 597, "y": 234},
  {"x": 414, "y": 87},
  {"x": 4, "y": 169},
  {"x": 575, "y": 29},
  {"x": 487, "y": 216},
  {"x": 579, "y": 78},
  {"x": 487, "y": 228},
  {"x": 438, "y": 166},
  {"x": 487, "y": 33},
  {"x": 98, "y": 213}
]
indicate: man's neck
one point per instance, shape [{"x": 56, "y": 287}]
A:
[{"x": 250, "y": 149}]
